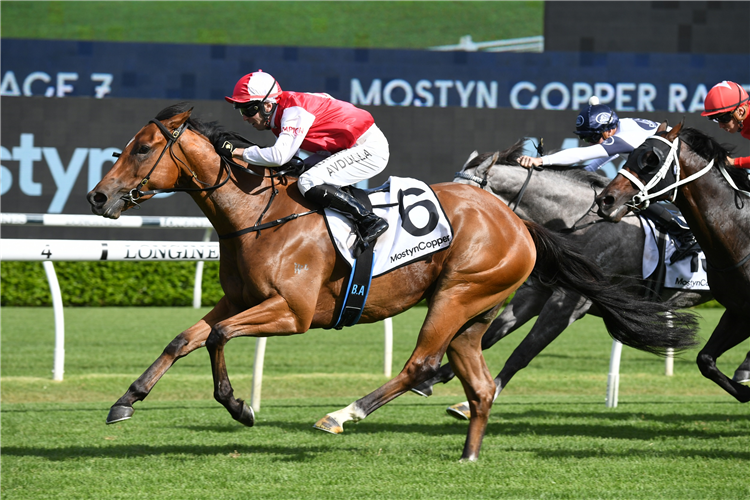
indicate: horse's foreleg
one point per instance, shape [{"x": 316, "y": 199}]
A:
[
  {"x": 182, "y": 345},
  {"x": 526, "y": 303},
  {"x": 271, "y": 317},
  {"x": 730, "y": 331},
  {"x": 560, "y": 311}
]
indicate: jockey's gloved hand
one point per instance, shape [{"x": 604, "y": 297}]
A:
[{"x": 226, "y": 150}]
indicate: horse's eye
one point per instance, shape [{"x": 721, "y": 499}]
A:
[{"x": 143, "y": 149}]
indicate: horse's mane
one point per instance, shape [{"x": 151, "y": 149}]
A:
[
  {"x": 212, "y": 130},
  {"x": 708, "y": 148},
  {"x": 510, "y": 157}
]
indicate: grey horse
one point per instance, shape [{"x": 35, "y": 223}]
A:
[{"x": 561, "y": 199}]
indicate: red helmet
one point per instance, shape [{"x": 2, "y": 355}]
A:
[
  {"x": 257, "y": 86},
  {"x": 723, "y": 97}
]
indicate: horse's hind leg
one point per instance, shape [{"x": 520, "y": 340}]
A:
[
  {"x": 465, "y": 356},
  {"x": 561, "y": 310},
  {"x": 526, "y": 303},
  {"x": 182, "y": 345},
  {"x": 435, "y": 335},
  {"x": 432, "y": 344},
  {"x": 731, "y": 330}
]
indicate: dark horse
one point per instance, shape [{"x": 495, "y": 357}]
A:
[
  {"x": 713, "y": 201},
  {"x": 561, "y": 199},
  {"x": 491, "y": 255}
]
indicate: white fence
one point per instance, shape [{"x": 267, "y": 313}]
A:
[
  {"x": 466, "y": 44},
  {"x": 49, "y": 250}
]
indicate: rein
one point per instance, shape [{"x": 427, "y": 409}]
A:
[
  {"x": 482, "y": 182},
  {"x": 172, "y": 137},
  {"x": 519, "y": 196},
  {"x": 293, "y": 167}
]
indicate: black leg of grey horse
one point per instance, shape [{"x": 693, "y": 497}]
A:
[
  {"x": 730, "y": 332},
  {"x": 742, "y": 374},
  {"x": 526, "y": 303},
  {"x": 561, "y": 310}
]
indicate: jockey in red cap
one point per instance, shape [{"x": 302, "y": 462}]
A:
[
  {"x": 727, "y": 104},
  {"x": 350, "y": 146}
]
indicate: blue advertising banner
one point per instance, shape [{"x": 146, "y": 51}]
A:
[{"x": 628, "y": 82}]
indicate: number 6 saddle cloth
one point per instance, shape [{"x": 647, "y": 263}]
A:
[{"x": 417, "y": 225}]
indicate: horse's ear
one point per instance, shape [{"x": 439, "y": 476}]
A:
[
  {"x": 663, "y": 126},
  {"x": 473, "y": 155},
  {"x": 177, "y": 120},
  {"x": 672, "y": 134},
  {"x": 487, "y": 164}
]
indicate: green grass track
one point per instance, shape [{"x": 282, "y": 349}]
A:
[{"x": 549, "y": 436}]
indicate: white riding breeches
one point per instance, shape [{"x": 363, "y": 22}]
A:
[{"x": 367, "y": 158}]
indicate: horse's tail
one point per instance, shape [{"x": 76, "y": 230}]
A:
[{"x": 636, "y": 322}]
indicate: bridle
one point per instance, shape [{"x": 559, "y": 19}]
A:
[
  {"x": 668, "y": 154},
  {"x": 136, "y": 194},
  {"x": 670, "y": 160}
]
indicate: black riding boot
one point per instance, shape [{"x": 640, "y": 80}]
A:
[
  {"x": 369, "y": 225},
  {"x": 681, "y": 234}
]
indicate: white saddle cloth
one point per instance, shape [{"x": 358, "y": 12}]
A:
[
  {"x": 678, "y": 275},
  {"x": 417, "y": 226}
]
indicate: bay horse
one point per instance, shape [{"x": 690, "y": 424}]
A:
[
  {"x": 560, "y": 199},
  {"x": 690, "y": 167},
  {"x": 492, "y": 253}
]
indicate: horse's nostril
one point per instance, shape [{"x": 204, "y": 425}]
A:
[{"x": 97, "y": 198}]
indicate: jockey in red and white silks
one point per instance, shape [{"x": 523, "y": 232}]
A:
[{"x": 352, "y": 147}]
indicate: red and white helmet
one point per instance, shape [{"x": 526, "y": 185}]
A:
[
  {"x": 256, "y": 86},
  {"x": 723, "y": 97}
]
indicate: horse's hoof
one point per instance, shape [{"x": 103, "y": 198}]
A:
[
  {"x": 424, "y": 391},
  {"x": 119, "y": 413},
  {"x": 460, "y": 411},
  {"x": 329, "y": 424},
  {"x": 247, "y": 415},
  {"x": 741, "y": 376}
]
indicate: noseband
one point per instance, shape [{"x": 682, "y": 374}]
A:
[{"x": 135, "y": 194}]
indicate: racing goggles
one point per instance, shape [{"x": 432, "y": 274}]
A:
[
  {"x": 249, "y": 109},
  {"x": 723, "y": 117}
]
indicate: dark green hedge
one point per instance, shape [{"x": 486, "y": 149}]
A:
[
  {"x": 102, "y": 284},
  {"x": 109, "y": 284}
]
